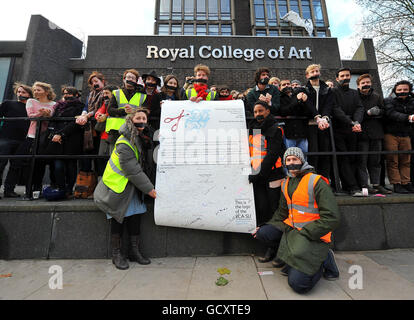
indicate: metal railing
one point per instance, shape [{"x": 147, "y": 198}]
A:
[{"x": 33, "y": 156}]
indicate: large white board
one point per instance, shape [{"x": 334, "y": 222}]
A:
[{"x": 202, "y": 167}]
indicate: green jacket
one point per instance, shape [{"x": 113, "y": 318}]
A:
[{"x": 303, "y": 250}]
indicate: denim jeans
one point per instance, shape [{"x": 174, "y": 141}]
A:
[{"x": 300, "y": 143}]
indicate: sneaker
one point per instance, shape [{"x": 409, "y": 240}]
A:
[
  {"x": 356, "y": 193},
  {"x": 382, "y": 190},
  {"x": 330, "y": 269},
  {"x": 398, "y": 188},
  {"x": 409, "y": 187},
  {"x": 372, "y": 190}
]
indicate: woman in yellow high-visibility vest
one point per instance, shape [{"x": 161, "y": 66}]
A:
[{"x": 125, "y": 181}]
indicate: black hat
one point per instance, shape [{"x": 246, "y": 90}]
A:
[{"x": 152, "y": 74}]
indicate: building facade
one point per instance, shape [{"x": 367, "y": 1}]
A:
[{"x": 238, "y": 17}]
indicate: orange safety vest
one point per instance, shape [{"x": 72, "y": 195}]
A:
[
  {"x": 303, "y": 208},
  {"x": 258, "y": 151}
]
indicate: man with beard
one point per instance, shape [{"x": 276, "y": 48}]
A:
[
  {"x": 348, "y": 116},
  {"x": 263, "y": 91},
  {"x": 13, "y": 133},
  {"x": 266, "y": 149}
]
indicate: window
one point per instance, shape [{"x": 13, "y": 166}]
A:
[
  {"x": 259, "y": 13},
  {"x": 285, "y": 33},
  {"x": 213, "y": 29},
  {"x": 294, "y": 6},
  {"x": 271, "y": 13},
  {"x": 261, "y": 33},
  {"x": 321, "y": 34},
  {"x": 188, "y": 29},
  {"x": 78, "y": 81},
  {"x": 306, "y": 9},
  {"x": 297, "y": 33},
  {"x": 226, "y": 30},
  {"x": 165, "y": 10},
  {"x": 273, "y": 33},
  {"x": 176, "y": 29},
  {"x": 176, "y": 10},
  {"x": 4, "y": 74},
  {"x": 201, "y": 9},
  {"x": 188, "y": 9},
  {"x": 212, "y": 10},
  {"x": 283, "y": 10},
  {"x": 317, "y": 7},
  {"x": 201, "y": 30},
  {"x": 225, "y": 10},
  {"x": 163, "y": 29}
]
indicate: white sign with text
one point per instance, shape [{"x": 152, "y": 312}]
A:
[{"x": 202, "y": 167}]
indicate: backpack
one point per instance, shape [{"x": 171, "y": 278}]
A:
[{"x": 85, "y": 185}]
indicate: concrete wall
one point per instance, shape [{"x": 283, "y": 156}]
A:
[{"x": 78, "y": 230}]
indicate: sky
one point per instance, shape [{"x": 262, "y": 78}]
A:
[{"x": 136, "y": 17}]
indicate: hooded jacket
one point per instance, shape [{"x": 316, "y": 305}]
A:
[
  {"x": 114, "y": 204},
  {"x": 397, "y": 111},
  {"x": 303, "y": 249}
]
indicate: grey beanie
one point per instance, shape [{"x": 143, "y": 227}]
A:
[
  {"x": 294, "y": 151},
  {"x": 297, "y": 81}
]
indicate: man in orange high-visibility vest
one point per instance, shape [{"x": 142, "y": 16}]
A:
[{"x": 303, "y": 225}]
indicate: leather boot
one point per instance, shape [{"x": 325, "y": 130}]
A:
[
  {"x": 117, "y": 259},
  {"x": 134, "y": 253},
  {"x": 269, "y": 255}
]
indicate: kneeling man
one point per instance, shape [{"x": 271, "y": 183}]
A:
[{"x": 302, "y": 225}]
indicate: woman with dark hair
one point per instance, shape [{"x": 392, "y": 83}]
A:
[
  {"x": 126, "y": 180},
  {"x": 170, "y": 90},
  {"x": 66, "y": 138}
]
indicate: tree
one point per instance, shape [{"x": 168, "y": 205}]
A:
[{"x": 391, "y": 25}]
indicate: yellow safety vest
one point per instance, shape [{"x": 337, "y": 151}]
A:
[
  {"x": 114, "y": 123},
  {"x": 114, "y": 177},
  {"x": 193, "y": 93}
]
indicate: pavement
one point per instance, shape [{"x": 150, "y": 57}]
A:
[{"x": 375, "y": 275}]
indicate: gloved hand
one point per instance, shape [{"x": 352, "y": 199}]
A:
[
  {"x": 253, "y": 178},
  {"x": 374, "y": 111}
]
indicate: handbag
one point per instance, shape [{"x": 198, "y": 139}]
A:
[
  {"x": 85, "y": 185},
  {"x": 47, "y": 146},
  {"x": 88, "y": 138}
]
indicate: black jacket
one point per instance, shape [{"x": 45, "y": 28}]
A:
[
  {"x": 72, "y": 133},
  {"x": 372, "y": 126},
  {"x": 14, "y": 130},
  {"x": 291, "y": 106},
  {"x": 396, "y": 116},
  {"x": 326, "y": 100},
  {"x": 254, "y": 95},
  {"x": 348, "y": 108},
  {"x": 275, "y": 149}
]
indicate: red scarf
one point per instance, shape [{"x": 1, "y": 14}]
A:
[
  {"x": 201, "y": 90},
  {"x": 230, "y": 97}
]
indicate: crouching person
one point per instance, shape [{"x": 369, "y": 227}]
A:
[
  {"x": 125, "y": 181},
  {"x": 303, "y": 223}
]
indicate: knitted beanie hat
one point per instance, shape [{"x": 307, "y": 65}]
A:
[{"x": 294, "y": 151}]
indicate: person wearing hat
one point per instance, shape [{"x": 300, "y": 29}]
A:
[
  {"x": 303, "y": 223},
  {"x": 152, "y": 82},
  {"x": 266, "y": 152}
]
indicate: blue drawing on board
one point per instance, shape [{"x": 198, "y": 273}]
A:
[{"x": 197, "y": 119}]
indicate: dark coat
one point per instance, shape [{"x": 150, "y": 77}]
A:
[
  {"x": 326, "y": 100},
  {"x": 372, "y": 126},
  {"x": 396, "y": 116},
  {"x": 291, "y": 106},
  {"x": 254, "y": 95},
  {"x": 275, "y": 149},
  {"x": 14, "y": 130},
  {"x": 348, "y": 108},
  {"x": 72, "y": 133}
]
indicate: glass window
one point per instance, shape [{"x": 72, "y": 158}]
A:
[
  {"x": 201, "y": 29},
  {"x": 283, "y": 10},
  {"x": 201, "y": 9},
  {"x": 165, "y": 10},
  {"x": 317, "y": 6},
  {"x": 225, "y": 10},
  {"x": 188, "y": 9},
  {"x": 176, "y": 29},
  {"x": 176, "y": 9},
  {"x": 306, "y": 9},
  {"x": 188, "y": 29},
  {"x": 78, "y": 81},
  {"x": 212, "y": 10},
  {"x": 285, "y": 33},
  {"x": 259, "y": 13},
  {"x": 297, "y": 33},
  {"x": 163, "y": 29},
  {"x": 273, "y": 33},
  {"x": 226, "y": 30},
  {"x": 261, "y": 33},
  {"x": 4, "y": 74},
  {"x": 322, "y": 34},
  {"x": 213, "y": 29},
  {"x": 294, "y": 6},
  {"x": 271, "y": 13}
]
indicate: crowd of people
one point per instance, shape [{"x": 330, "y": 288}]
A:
[{"x": 286, "y": 120}]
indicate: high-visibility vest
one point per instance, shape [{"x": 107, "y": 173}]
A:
[
  {"x": 193, "y": 93},
  {"x": 114, "y": 177},
  {"x": 258, "y": 151},
  {"x": 303, "y": 208},
  {"x": 114, "y": 123}
]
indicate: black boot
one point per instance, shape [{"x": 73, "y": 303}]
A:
[
  {"x": 117, "y": 259},
  {"x": 330, "y": 269},
  {"x": 134, "y": 253},
  {"x": 398, "y": 188},
  {"x": 269, "y": 255}
]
